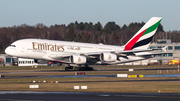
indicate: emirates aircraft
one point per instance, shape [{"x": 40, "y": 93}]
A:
[{"x": 81, "y": 55}]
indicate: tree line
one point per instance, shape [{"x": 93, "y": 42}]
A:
[{"x": 111, "y": 33}]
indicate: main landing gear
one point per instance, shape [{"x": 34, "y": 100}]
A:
[{"x": 83, "y": 68}]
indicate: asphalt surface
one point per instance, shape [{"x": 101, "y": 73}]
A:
[
  {"x": 80, "y": 96},
  {"x": 84, "y": 96},
  {"x": 89, "y": 76},
  {"x": 149, "y": 69}
]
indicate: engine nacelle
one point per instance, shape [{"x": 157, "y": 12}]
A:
[
  {"x": 108, "y": 57},
  {"x": 77, "y": 59}
]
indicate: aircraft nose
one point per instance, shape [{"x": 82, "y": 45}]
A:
[{"x": 7, "y": 50}]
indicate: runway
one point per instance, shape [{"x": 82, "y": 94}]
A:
[
  {"x": 87, "y": 76},
  {"x": 149, "y": 69},
  {"x": 90, "y": 76},
  {"x": 84, "y": 96}
]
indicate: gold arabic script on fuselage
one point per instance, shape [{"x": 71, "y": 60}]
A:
[{"x": 46, "y": 46}]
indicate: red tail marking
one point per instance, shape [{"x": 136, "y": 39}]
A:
[{"x": 133, "y": 41}]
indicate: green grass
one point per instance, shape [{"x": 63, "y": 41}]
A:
[{"x": 109, "y": 84}]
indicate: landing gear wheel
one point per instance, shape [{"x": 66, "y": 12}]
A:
[
  {"x": 67, "y": 68},
  {"x": 91, "y": 69},
  {"x": 76, "y": 68},
  {"x": 71, "y": 67},
  {"x": 82, "y": 69},
  {"x": 88, "y": 68}
]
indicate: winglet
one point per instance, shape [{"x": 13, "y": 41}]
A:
[{"x": 164, "y": 49}]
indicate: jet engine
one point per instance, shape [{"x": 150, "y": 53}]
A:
[
  {"x": 108, "y": 57},
  {"x": 77, "y": 59}
]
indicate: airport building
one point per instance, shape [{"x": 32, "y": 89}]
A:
[
  {"x": 173, "y": 50},
  {"x": 8, "y": 60},
  {"x": 5, "y": 59}
]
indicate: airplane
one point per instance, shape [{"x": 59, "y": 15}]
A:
[{"x": 82, "y": 55}]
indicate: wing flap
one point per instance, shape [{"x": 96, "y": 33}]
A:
[
  {"x": 60, "y": 57},
  {"x": 150, "y": 54}
]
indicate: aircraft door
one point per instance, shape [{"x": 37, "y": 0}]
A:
[{"x": 22, "y": 49}]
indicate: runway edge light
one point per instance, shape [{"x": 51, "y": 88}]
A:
[{"x": 131, "y": 70}]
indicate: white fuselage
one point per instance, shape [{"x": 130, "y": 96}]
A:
[{"x": 45, "y": 49}]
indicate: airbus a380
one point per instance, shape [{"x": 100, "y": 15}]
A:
[{"x": 82, "y": 55}]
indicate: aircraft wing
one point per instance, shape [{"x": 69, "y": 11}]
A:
[
  {"x": 142, "y": 50},
  {"x": 150, "y": 54},
  {"x": 130, "y": 52},
  {"x": 94, "y": 57},
  {"x": 65, "y": 58}
]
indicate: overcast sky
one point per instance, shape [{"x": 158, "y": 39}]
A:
[{"x": 50, "y": 12}]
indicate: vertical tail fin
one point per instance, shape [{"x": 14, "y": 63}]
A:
[{"x": 143, "y": 37}]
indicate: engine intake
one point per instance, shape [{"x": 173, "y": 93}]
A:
[
  {"x": 108, "y": 57},
  {"x": 77, "y": 59}
]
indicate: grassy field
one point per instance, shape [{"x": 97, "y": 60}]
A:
[{"x": 14, "y": 82}]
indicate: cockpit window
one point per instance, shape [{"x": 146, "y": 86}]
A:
[{"x": 12, "y": 45}]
